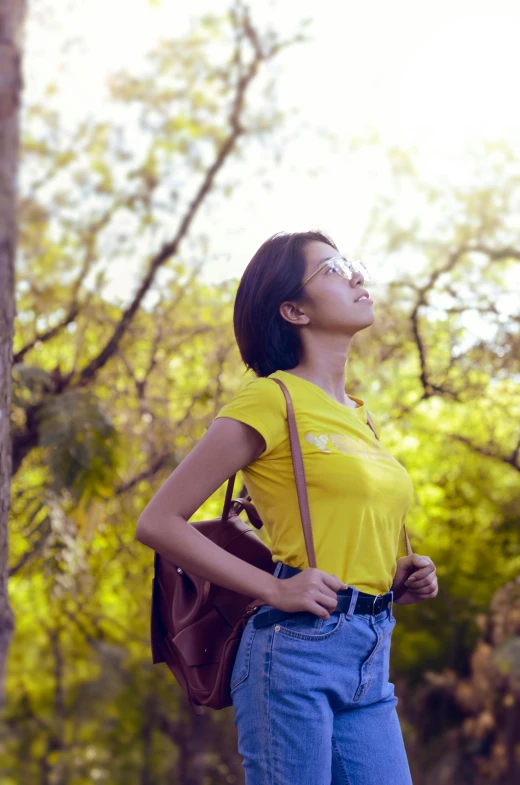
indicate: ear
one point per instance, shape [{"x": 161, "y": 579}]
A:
[{"x": 293, "y": 314}]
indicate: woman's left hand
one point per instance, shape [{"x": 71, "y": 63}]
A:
[{"x": 414, "y": 580}]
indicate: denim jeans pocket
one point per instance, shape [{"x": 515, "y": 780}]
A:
[
  {"x": 242, "y": 662},
  {"x": 309, "y": 626}
]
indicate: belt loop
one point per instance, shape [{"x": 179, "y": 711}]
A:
[
  {"x": 353, "y": 601},
  {"x": 278, "y": 569},
  {"x": 391, "y": 603}
]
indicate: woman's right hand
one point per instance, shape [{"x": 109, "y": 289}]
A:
[{"x": 309, "y": 590}]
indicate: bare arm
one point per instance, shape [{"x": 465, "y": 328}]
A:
[{"x": 227, "y": 446}]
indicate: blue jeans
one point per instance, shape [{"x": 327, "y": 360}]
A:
[{"x": 313, "y": 703}]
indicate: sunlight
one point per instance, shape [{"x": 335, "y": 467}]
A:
[{"x": 437, "y": 77}]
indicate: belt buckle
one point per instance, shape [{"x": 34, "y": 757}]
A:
[{"x": 376, "y": 598}]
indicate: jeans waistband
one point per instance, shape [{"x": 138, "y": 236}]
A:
[{"x": 350, "y": 600}]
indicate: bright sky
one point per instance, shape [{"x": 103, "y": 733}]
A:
[{"x": 439, "y": 76}]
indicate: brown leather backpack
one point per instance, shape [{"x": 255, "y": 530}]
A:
[{"x": 195, "y": 625}]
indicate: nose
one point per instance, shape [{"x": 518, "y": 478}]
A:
[{"x": 357, "y": 279}]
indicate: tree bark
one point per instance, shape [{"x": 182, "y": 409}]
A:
[{"x": 12, "y": 14}]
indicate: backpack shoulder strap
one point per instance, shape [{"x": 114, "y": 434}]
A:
[{"x": 299, "y": 475}]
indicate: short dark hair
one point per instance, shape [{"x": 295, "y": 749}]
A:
[{"x": 267, "y": 342}]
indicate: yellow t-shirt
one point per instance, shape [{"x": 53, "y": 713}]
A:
[{"x": 359, "y": 494}]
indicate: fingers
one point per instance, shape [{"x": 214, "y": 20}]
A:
[
  {"x": 322, "y": 592},
  {"x": 328, "y": 587},
  {"x": 321, "y": 612},
  {"x": 428, "y": 587},
  {"x": 422, "y": 577},
  {"x": 326, "y": 607},
  {"x": 332, "y": 581},
  {"x": 327, "y": 602},
  {"x": 418, "y": 561},
  {"x": 423, "y": 581},
  {"x": 329, "y": 598},
  {"x": 427, "y": 593}
]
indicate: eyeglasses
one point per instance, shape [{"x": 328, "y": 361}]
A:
[{"x": 344, "y": 267}]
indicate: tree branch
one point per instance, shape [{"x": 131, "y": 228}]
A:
[
  {"x": 170, "y": 248},
  {"x": 91, "y": 234},
  {"x": 511, "y": 460}
]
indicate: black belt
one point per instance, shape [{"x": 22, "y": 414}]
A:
[{"x": 365, "y": 603}]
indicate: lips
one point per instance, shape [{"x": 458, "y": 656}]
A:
[{"x": 362, "y": 292}]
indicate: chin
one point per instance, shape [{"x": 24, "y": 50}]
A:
[{"x": 368, "y": 322}]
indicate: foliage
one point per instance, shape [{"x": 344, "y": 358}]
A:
[
  {"x": 109, "y": 397},
  {"x": 467, "y": 728}
]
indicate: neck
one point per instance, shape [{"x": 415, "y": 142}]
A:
[{"x": 323, "y": 362}]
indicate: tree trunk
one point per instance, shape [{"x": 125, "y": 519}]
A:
[{"x": 12, "y": 13}]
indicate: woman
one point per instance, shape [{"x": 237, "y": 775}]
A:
[{"x": 312, "y": 700}]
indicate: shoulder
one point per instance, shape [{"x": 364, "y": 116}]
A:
[
  {"x": 259, "y": 402},
  {"x": 261, "y": 391},
  {"x": 263, "y": 384}
]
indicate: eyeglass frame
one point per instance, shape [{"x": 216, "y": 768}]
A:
[{"x": 330, "y": 263}]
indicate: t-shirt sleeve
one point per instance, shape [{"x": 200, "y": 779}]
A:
[{"x": 260, "y": 403}]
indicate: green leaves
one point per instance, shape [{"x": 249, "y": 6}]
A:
[
  {"x": 81, "y": 444},
  {"x": 29, "y": 384},
  {"x": 114, "y": 386}
]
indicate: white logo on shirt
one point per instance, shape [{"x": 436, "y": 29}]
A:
[
  {"x": 318, "y": 441},
  {"x": 349, "y": 445}
]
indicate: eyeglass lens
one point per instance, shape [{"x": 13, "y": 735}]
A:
[{"x": 348, "y": 267}]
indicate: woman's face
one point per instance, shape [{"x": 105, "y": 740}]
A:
[{"x": 330, "y": 300}]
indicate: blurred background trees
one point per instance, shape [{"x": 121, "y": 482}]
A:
[
  {"x": 12, "y": 15},
  {"x": 109, "y": 395}
]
